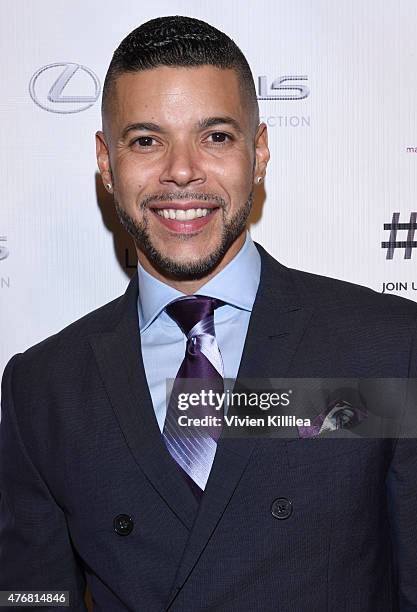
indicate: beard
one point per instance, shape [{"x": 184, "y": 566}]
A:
[{"x": 170, "y": 268}]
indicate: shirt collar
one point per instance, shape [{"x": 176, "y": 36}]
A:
[{"x": 236, "y": 285}]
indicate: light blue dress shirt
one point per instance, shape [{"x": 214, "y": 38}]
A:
[{"x": 163, "y": 343}]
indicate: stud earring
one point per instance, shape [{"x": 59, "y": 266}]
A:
[
  {"x": 259, "y": 179},
  {"x": 108, "y": 186}
]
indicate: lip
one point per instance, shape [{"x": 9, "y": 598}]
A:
[
  {"x": 184, "y": 205},
  {"x": 185, "y": 227}
]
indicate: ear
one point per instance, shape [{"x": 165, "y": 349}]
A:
[
  {"x": 103, "y": 159},
  {"x": 262, "y": 154}
]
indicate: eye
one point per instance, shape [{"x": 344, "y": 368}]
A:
[
  {"x": 144, "y": 141},
  {"x": 220, "y": 137}
]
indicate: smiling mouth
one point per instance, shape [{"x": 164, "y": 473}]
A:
[
  {"x": 185, "y": 220},
  {"x": 181, "y": 214}
]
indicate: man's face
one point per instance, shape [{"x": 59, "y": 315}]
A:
[{"x": 181, "y": 153}]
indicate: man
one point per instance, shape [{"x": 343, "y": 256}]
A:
[{"x": 96, "y": 485}]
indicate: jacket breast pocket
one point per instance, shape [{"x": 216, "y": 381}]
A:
[{"x": 301, "y": 451}]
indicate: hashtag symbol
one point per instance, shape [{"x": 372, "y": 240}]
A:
[{"x": 393, "y": 227}]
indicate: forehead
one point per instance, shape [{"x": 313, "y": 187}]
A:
[{"x": 178, "y": 94}]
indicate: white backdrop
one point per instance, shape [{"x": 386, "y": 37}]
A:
[{"x": 343, "y": 154}]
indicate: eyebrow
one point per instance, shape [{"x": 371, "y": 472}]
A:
[
  {"x": 146, "y": 126},
  {"x": 141, "y": 127},
  {"x": 213, "y": 121}
]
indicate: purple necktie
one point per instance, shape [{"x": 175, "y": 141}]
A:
[{"x": 193, "y": 448}]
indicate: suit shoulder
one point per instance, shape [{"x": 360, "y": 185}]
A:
[
  {"x": 73, "y": 337},
  {"x": 326, "y": 291},
  {"x": 329, "y": 293}
]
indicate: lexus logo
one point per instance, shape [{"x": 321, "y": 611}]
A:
[
  {"x": 64, "y": 87},
  {"x": 291, "y": 91}
]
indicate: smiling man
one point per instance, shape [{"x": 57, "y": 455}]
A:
[
  {"x": 98, "y": 484},
  {"x": 182, "y": 163}
]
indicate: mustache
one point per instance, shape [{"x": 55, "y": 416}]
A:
[{"x": 182, "y": 195}]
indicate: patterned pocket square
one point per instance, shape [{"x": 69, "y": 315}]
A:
[{"x": 340, "y": 414}]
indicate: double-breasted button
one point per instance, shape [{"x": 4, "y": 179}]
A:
[
  {"x": 123, "y": 524},
  {"x": 281, "y": 508}
]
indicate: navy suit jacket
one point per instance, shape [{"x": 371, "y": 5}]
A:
[{"x": 80, "y": 446}]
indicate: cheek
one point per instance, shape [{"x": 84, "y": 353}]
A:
[
  {"x": 133, "y": 180},
  {"x": 237, "y": 180},
  {"x": 233, "y": 173}
]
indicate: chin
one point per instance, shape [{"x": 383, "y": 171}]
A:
[{"x": 188, "y": 251}]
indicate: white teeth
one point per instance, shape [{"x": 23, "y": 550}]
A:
[
  {"x": 190, "y": 214},
  {"x": 183, "y": 215}
]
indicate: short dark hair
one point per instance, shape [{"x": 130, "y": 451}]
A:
[{"x": 179, "y": 41}]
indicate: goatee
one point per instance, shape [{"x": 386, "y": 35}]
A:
[{"x": 186, "y": 270}]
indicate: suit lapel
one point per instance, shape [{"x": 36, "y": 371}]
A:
[
  {"x": 276, "y": 327},
  {"x": 119, "y": 359}
]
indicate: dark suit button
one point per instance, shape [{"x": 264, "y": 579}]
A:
[
  {"x": 123, "y": 524},
  {"x": 281, "y": 508}
]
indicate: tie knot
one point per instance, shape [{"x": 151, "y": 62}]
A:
[{"x": 193, "y": 309}]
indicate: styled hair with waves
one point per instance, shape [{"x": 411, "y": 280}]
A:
[{"x": 179, "y": 42}]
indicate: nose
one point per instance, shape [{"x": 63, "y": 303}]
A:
[{"x": 182, "y": 165}]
